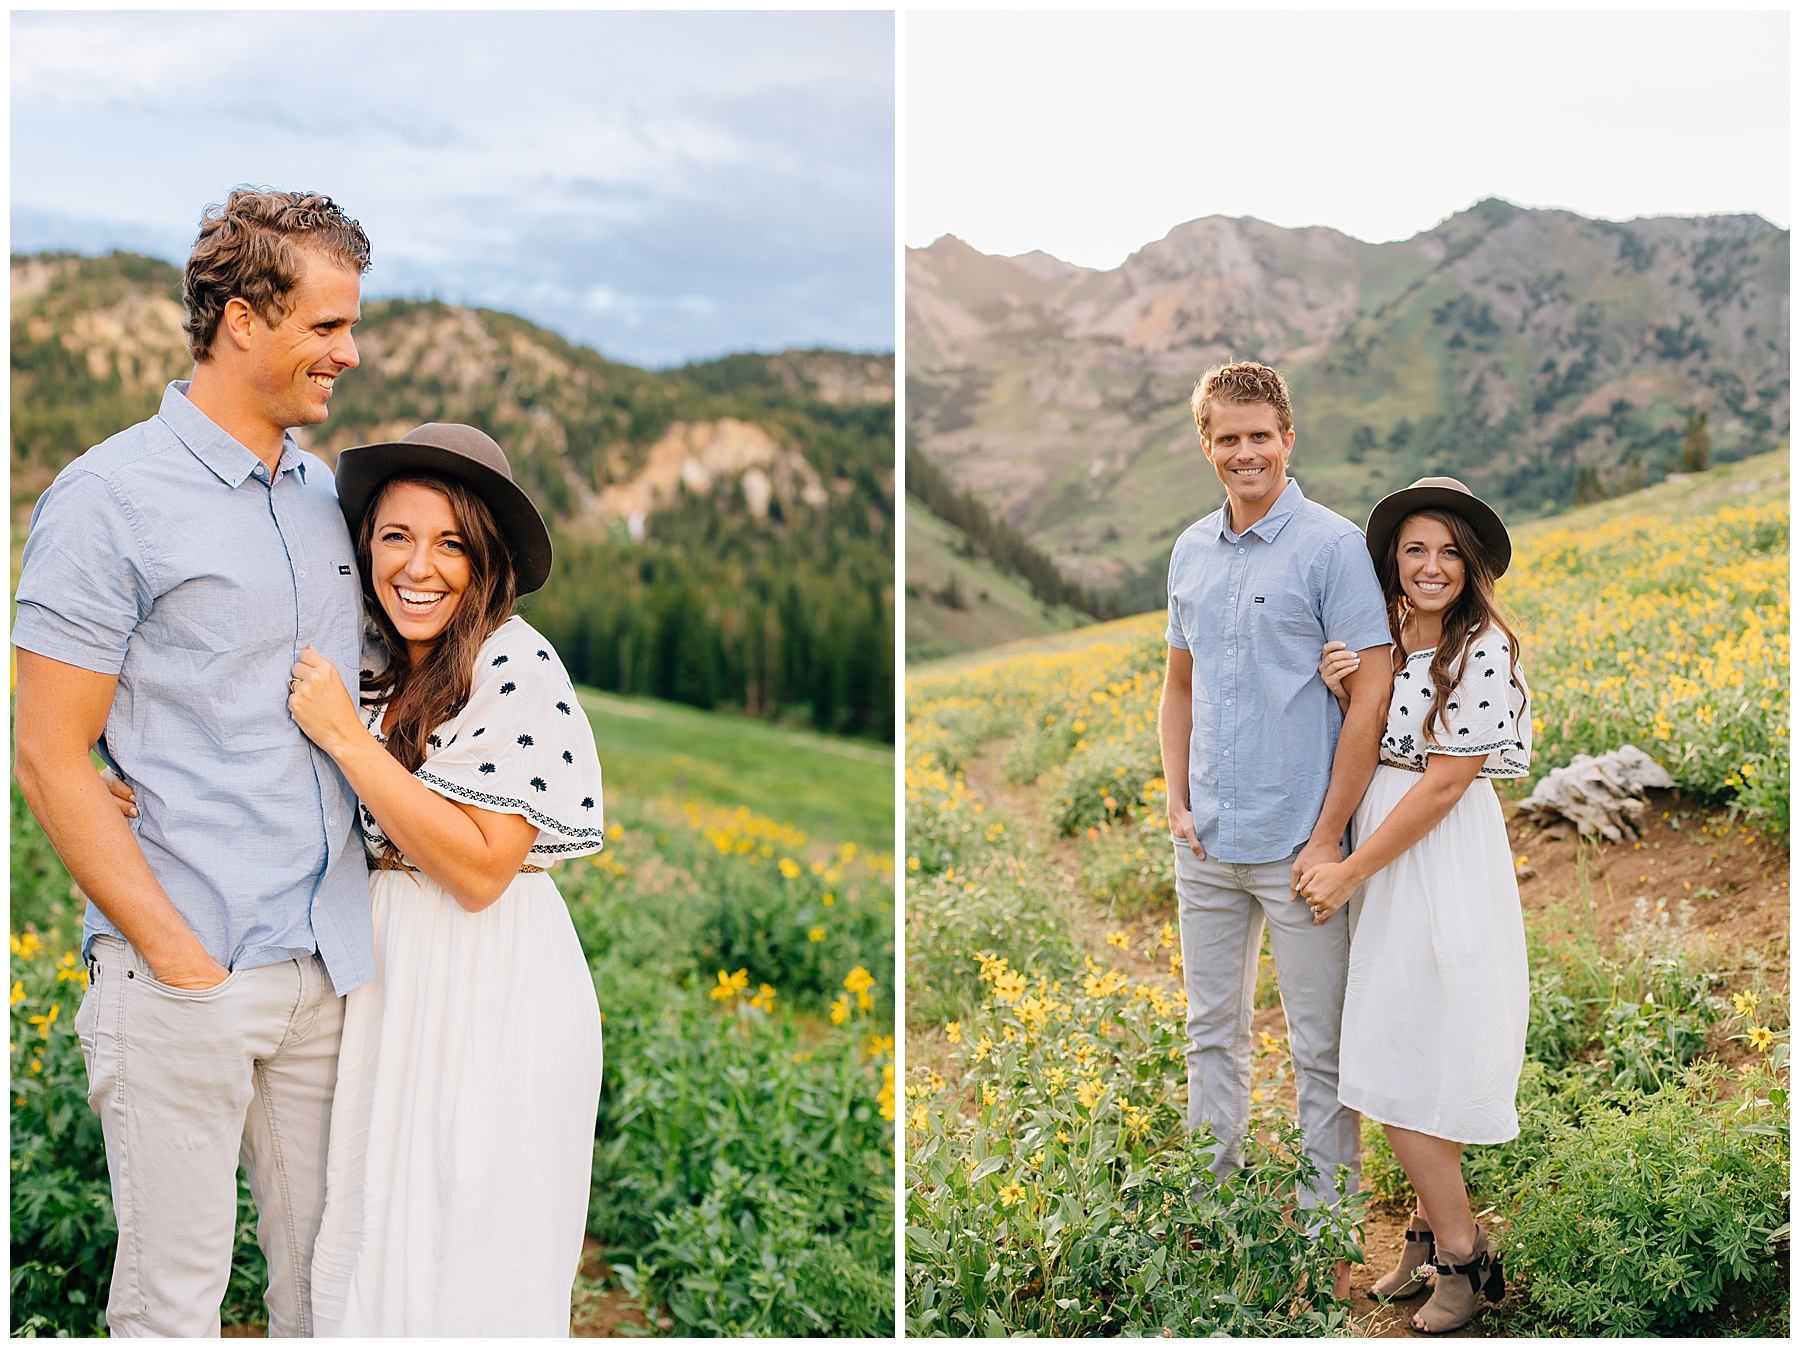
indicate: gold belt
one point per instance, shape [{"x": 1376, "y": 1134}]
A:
[
  {"x": 394, "y": 863},
  {"x": 1404, "y": 767}
]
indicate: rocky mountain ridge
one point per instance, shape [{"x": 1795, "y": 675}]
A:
[{"x": 1536, "y": 354}]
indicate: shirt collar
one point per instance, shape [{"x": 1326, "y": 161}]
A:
[
  {"x": 219, "y": 451},
  {"x": 1270, "y": 524}
]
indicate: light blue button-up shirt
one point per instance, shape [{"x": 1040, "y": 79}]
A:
[
  {"x": 167, "y": 556},
  {"x": 1255, "y": 610}
]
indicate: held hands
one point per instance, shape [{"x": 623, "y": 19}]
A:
[
  {"x": 320, "y": 703},
  {"x": 1334, "y": 664},
  {"x": 1327, "y": 887}
]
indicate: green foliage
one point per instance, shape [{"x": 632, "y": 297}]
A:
[
  {"x": 1053, "y": 1190},
  {"x": 1004, "y": 909},
  {"x": 730, "y": 1135},
  {"x": 762, "y": 1172},
  {"x": 1130, "y": 866},
  {"x": 1645, "y": 1211},
  {"x": 743, "y": 1173}
]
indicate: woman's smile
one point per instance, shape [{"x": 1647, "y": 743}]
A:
[
  {"x": 1431, "y": 569},
  {"x": 417, "y": 562}
]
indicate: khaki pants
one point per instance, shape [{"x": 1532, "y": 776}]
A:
[
  {"x": 1222, "y": 909},
  {"x": 184, "y": 1083}
]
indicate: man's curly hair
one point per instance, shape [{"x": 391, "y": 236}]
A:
[
  {"x": 249, "y": 249},
  {"x": 1242, "y": 381}
]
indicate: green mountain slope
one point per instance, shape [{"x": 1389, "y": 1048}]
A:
[
  {"x": 956, "y": 602},
  {"x": 724, "y": 531}
]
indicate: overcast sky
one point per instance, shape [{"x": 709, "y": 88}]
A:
[
  {"x": 1090, "y": 135},
  {"x": 662, "y": 186}
]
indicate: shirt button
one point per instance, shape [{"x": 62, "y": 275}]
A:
[
  {"x": 1228, "y": 753},
  {"x": 301, "y": 573},
  {"x": 1225, "y": 806},
  {"x": 1227, "y": 702},
  {"x": 1240, "y": 549}
]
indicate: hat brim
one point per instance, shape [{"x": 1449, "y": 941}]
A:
[
  {"x": 363, "y": 470},
  {"x": 1391, "y": 511}
]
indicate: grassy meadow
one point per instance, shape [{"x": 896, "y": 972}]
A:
[
  {"x": 739, "y": 925},
  {"x": 1647, "y": 1192}
]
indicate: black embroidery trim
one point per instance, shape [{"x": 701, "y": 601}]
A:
[
  {"x": 506, "y": 688},
  {"x": 485, "y": 767},
  {"x": 568, "y": 757},
  {"x": 563, "y": 707},
  {"x": 499, "y": 660},
  {"x": 540, "y": 783},
  {"x": 482, "y": 731},
  {"x": 543, "y": 655},
  {"x": 587, "y": 802},
  {"x": 526, "y": 741},
  {"x": 514, "y": 806}
]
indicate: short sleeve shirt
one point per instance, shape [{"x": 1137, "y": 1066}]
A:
[
  {"x": 170, "y": 557},
  {"x": 1255, "y": 611},
  {"x": 1488, "y": 713},
  {"x": 520, "y": 745}
]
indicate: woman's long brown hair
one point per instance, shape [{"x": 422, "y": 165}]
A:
[
  {"x": 1471, "y": 614},
  {"x": 425, "y": 695}
]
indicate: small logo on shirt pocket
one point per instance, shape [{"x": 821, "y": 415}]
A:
[
  {"x": 1259, "y": 599},
  {"x": 344, "y": 571}
]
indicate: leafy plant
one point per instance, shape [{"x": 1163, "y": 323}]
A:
[{"x": 1646, "y": 1212}]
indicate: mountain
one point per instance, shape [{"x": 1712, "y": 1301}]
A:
[
  {"x": 1538, "y": 355},
  {"x": 724, "y": 530}
]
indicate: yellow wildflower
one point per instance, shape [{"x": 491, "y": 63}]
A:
[
  {"x": 1744, "y": 1002},
  {"x": 1761, "y": 1036},
  {"x": 990, "y": 1093},
  {"x": 840, "y": 1011},
  {"x": 816, "y": 934},
  {"x": 730, "y": 985},
  {"x": 1121, "y": 939},
  {"x": 953, "y": 1031},
  {"x": 1011, "y": 1194},
  {"x": 764, "y": 1000}
]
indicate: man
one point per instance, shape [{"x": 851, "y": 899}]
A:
[
  {"x": 172, "y": 576},
  {"x": 1261, "y": 783}
]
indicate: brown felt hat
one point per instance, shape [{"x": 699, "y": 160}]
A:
[
  {"x": 444, "y": 449},
  {"x": 1438, "y": 493}
]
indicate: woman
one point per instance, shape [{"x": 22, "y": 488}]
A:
[
  {"x": 1435, "y": 1006},
  {"x": 463, "y": 1124}
]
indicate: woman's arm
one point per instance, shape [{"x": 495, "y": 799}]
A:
[
  {"x": 472, "y": 853},
  {"x": 1328, "y": 887}
]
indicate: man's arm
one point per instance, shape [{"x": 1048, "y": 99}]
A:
[
  {"x": 60, "y": 716},
  {"x": 1358, "y": 749},
  {"x": 1175, "y": 723}
]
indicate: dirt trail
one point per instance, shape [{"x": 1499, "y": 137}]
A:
[{"x": 1733, "y": 887}]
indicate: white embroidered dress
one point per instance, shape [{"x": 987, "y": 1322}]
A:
[
  {"x": 1438, "y": 938},
  {"x": 462, "y": 1130}
]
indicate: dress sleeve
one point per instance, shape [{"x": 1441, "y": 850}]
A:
[
  {"x": 1488, "y": 711},
  {"x": 522, "y": 745}
]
